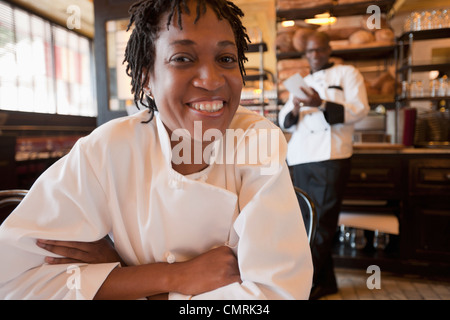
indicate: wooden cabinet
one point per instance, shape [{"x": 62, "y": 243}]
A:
[
  {"x": 414, "y": 185},
  {"x": 428, "y": 209}
]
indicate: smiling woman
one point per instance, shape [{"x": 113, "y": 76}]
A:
[{"x": 194, "y": 230}]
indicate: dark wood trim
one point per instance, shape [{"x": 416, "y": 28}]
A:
[
  {"x": 337, "y": 10},
  {"x": 49, "y": 18},
  {"x": 19, "y": 123},
  {"x": 105, "y": 10}
]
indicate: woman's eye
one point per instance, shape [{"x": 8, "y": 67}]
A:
[
  {"x": 180, "y": 59},
  {"x": 228, "y": 59}
]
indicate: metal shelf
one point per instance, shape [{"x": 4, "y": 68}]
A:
[
  {"x": 425, "y": 67},
  {"x": 425, "y": 34},
  {"x": 257, "y": 47}
]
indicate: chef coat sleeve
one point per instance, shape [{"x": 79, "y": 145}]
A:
[
  {"x": 67, "y": 202},
  {"x": 356, "y": 103},
  {"x": 269, "y": 236},
  {"x": 285, "y": 118}
]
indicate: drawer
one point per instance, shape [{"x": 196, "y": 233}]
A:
[
  {"x": 374, "y": 179},
  {"x": 430, "y": 177}
]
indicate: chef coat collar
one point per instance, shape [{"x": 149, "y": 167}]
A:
[
  {"x": 164, "y": 139},
  {"x": 166, "y": 147},
  {"x": 326, "y": 66}
]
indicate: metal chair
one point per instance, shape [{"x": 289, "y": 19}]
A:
[
  {"x": 9, "y": 199},
  {"x": 312, "y": 213}
]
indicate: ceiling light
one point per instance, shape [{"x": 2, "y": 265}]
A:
[
  {"x": 322, "y": 19},
  {"x": 288, "y": 23}
]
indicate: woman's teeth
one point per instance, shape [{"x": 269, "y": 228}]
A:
[{"x": 208, "y": 106}]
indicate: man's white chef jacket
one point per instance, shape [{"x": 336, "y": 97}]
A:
[
  {"x": 119, "y": 181},
  {"x": 313, "y": 138}
]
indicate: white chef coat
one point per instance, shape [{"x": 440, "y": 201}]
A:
[
  {"x": 119, "y": 181},
  {"x": 313, "y": 139}
]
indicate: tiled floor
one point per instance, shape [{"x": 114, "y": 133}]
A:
[{"x": 353, "y": 286}]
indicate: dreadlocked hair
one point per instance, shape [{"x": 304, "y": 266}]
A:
[{"x": 145, "y": 15}]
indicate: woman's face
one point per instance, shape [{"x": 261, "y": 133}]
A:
[{"x": 196, "y": 76}]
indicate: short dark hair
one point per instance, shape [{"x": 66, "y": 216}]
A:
[
  {"x": 319, "y": 35},
  {"x": 146, "y": 15}
]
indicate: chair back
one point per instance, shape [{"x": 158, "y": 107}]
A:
[
  {"x": 306, "y": 202},
  {"x": 9, "y": 199}
]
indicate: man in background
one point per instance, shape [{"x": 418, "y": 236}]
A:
[{"x": 319, "y": 152}]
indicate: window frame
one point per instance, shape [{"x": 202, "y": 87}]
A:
[{"x": 53, "y": 25}]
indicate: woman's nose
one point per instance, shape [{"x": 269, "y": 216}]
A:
[{"x": 209, "y": 77}]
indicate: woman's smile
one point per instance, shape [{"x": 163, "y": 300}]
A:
[{"x": 208, "y": 106}]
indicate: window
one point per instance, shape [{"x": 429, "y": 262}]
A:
[{"x": 43, "y": 67}]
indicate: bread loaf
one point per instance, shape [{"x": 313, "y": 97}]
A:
[
  {"x": 340, "y": 33},
  {"x": 361, "y": 37},
  {"x": 292, "y": 63},
  {"x": 384, "y": 35},
  {"x": 287, "y": 68},
  {"x": 336, "y": 60},
  {"x": 283, "y": 42},
  {"x": 388, "y": 87},
  {"x": 383, "y": 85},
  {"x": 299, "y": 38},
  {"x": 286, "y": 73},
  {"x": 382, "y": 78}
]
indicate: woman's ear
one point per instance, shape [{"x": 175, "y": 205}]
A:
[{"x": 145, "y": 83}]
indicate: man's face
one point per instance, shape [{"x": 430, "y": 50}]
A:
[
  {"x": 196, "y": 75},
  {"x": 317, "y": 52}
]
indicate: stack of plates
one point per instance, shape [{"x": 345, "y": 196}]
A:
[{"x": 433, "y": 128}]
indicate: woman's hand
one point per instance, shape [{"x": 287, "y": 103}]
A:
[
  {"x": 211, "y": 270},
  {"x": 101, "y": 251},
  {"x": 206, "y": 272}
]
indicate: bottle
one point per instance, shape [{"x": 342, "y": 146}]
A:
[
  {"x": 358, "y": 239},
  {"x": 380, "y": 240}
]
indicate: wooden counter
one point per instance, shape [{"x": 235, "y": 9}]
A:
[{"x": 389, "y": 148}]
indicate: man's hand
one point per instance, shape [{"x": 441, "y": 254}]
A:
[{"x": 312, "y": 100}]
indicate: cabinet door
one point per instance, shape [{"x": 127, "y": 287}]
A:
[
  {"x": 374, "y": 177},
  {"x": 428, "y": 209},
  {"x": 430, "y": 177},
  {"x": 429, "y": 228}
]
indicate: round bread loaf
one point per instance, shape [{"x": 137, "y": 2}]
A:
[
  {"x": 361, "y": 37},
  {"x": 299, "y": 38}
]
